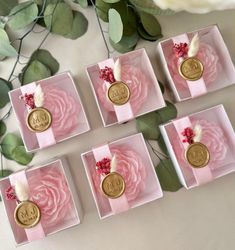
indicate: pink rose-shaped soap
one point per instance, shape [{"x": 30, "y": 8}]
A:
[
  {"x": 207, "y": 55},
  {"x": 131, "y": 167},
  {"x": 64, "y": 109},
  {"x": 212, "y": 136},
  {"x": 138, "y": 83},
  {"x": 51, "y": 193}
]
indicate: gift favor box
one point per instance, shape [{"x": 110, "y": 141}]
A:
[
  {"x": 196, "y": 63},
  {"x": 121, "y": 176},
  {"x": 40, "y": 201},
  {"x": 125, "y": 87},
  {"x": 201, "y": 146},
  {"x": 49, "y": 111}
]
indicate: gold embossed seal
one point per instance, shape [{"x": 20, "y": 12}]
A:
[
  {"x": 191, "y": 69},
  {"x": 39, "y": 120},
  {"x": 197, "y": 155},
  {"x": 119, "y": 93},
  {"x": 27, "y": 214},
  {"x": 113, "y": 185}
]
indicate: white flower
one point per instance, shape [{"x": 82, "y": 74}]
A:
[
  {"x": 117, "y": 70},
  {"x": 195, "y": 6},
  {"x": 194, "y": 46},
  {"x": 21, "y": 191},
  {"x": 113, "y": 164},
  {"x": 38, "y": 97},
  {"x": 198, "y": 133}
]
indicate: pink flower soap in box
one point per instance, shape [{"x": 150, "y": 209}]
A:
[
  {"x": 196, "y": 63},
  {"x": 201, "y": 146},
  {"x": 121, "y": 175},
  {"x": 40, "y": 201},
  {"x": 49, "y": 111},
  {"x": 125, "y": 87}
]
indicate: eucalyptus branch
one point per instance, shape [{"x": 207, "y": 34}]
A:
[
  {"x": 1, "y": 163},
  {"x": 101, "y": 30},
  {"x": 6, "y": 115},
  {"x": 156, "y": 152}
]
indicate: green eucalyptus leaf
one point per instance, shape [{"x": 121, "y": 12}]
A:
[
  {"x": 150, "y": 24},
  {"x": 115, "y": 26},
  {"x": 46, "y": 58},
  {"x": 168, "y": 113},
  {"x": 6, "y": 49},
  {"x": 102, "y": 10},
  {"x": 6, "y": 6},
  {"x": 4, "y": 89},
  {"x": 20, "y": 155},
  {"x": 149, "y": 125},
  {"x": 162, "y": 144},
  {"x": 161, "y": 87},
  {"x": 59, "y": 18},
  {"x": 22, "y": 15},
  {"x": 79, "y": 27},
  {"x": 3, "y": 128},
  {"x": 167, "y": 176},
  {"x": 9, "y": 143},
  {"x": 83, "y": 3},
  {"x": 142, "y": 32},
  {"x": 111, "y": 1},
  {"x": 35, "y": 71},
  {"x": 5, "y": 172},
  {"x": 150, "y": 7},
  {"x": 122, "y": 46}
]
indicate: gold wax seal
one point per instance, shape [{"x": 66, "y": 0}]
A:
[
  {"x": 119, "y": 93},
  {"x": 39, "y": 120},
  {"x": 191, "y": 69},
  {"x": 27, "y": 214},
  {"x": 198, "y": 155},
  {"x": 113, "y": 185}
]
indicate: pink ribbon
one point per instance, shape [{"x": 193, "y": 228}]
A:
[
  {"x": 202, "y": 175},
  {"x": 119, "y": 204},
  {"x": 37, "y": 232},
  {"x": 123, "y": 112},
  {"x": 45, "y": 138},
  {"x": 198, "y": 87}
]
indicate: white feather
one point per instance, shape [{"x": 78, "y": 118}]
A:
[
  {"x": 21, "y": 191},
  {"x": 194, "y": 46},
  {"x": 113, "y": 164},
  {"x": 38, "y": 97},
  {"x": 198, "y": 133},
  {"x": 117, "y": 70}
]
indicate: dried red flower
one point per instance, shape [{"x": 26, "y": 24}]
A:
[
  {"x": 189, "y": 134},
  {"x": 10, "y": 193},
  {"x": 107, "y": 75},
  {"x": 103, "y": 166},
  {"x": 29, "y": 100},
  {"x": 181, "y": 49}
]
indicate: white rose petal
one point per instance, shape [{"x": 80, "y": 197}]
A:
[
  {"x": 21, "y": 191},
  {"x": 195, "y": 6},
  {"x": 117, "y": 70},
  {"x": 194, "y": 46},
  {"x": 198, "y": 133},
  {"x": 113, "y": 164},
  {"x": 38, "y": 97}
]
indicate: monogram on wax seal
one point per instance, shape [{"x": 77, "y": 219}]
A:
[
  {"x": 39, "y": 120},
  {"x": 27, "y": 214},
  {"x": 191, "y": 69},
  {"x": 113, "y": 185},
  {"x": 197, "y": 155},
  {"x": 119, "y": 93}
]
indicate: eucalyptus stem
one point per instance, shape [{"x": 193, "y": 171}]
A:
[
  {"x": 101, "y": 30},
  {"x": 6, "y": 115},
  {"x": 156, "y": 152},
  {"x": 1, "y": 163}
]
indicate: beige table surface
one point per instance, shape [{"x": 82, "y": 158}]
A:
[{"x": 200, "y": 219}]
